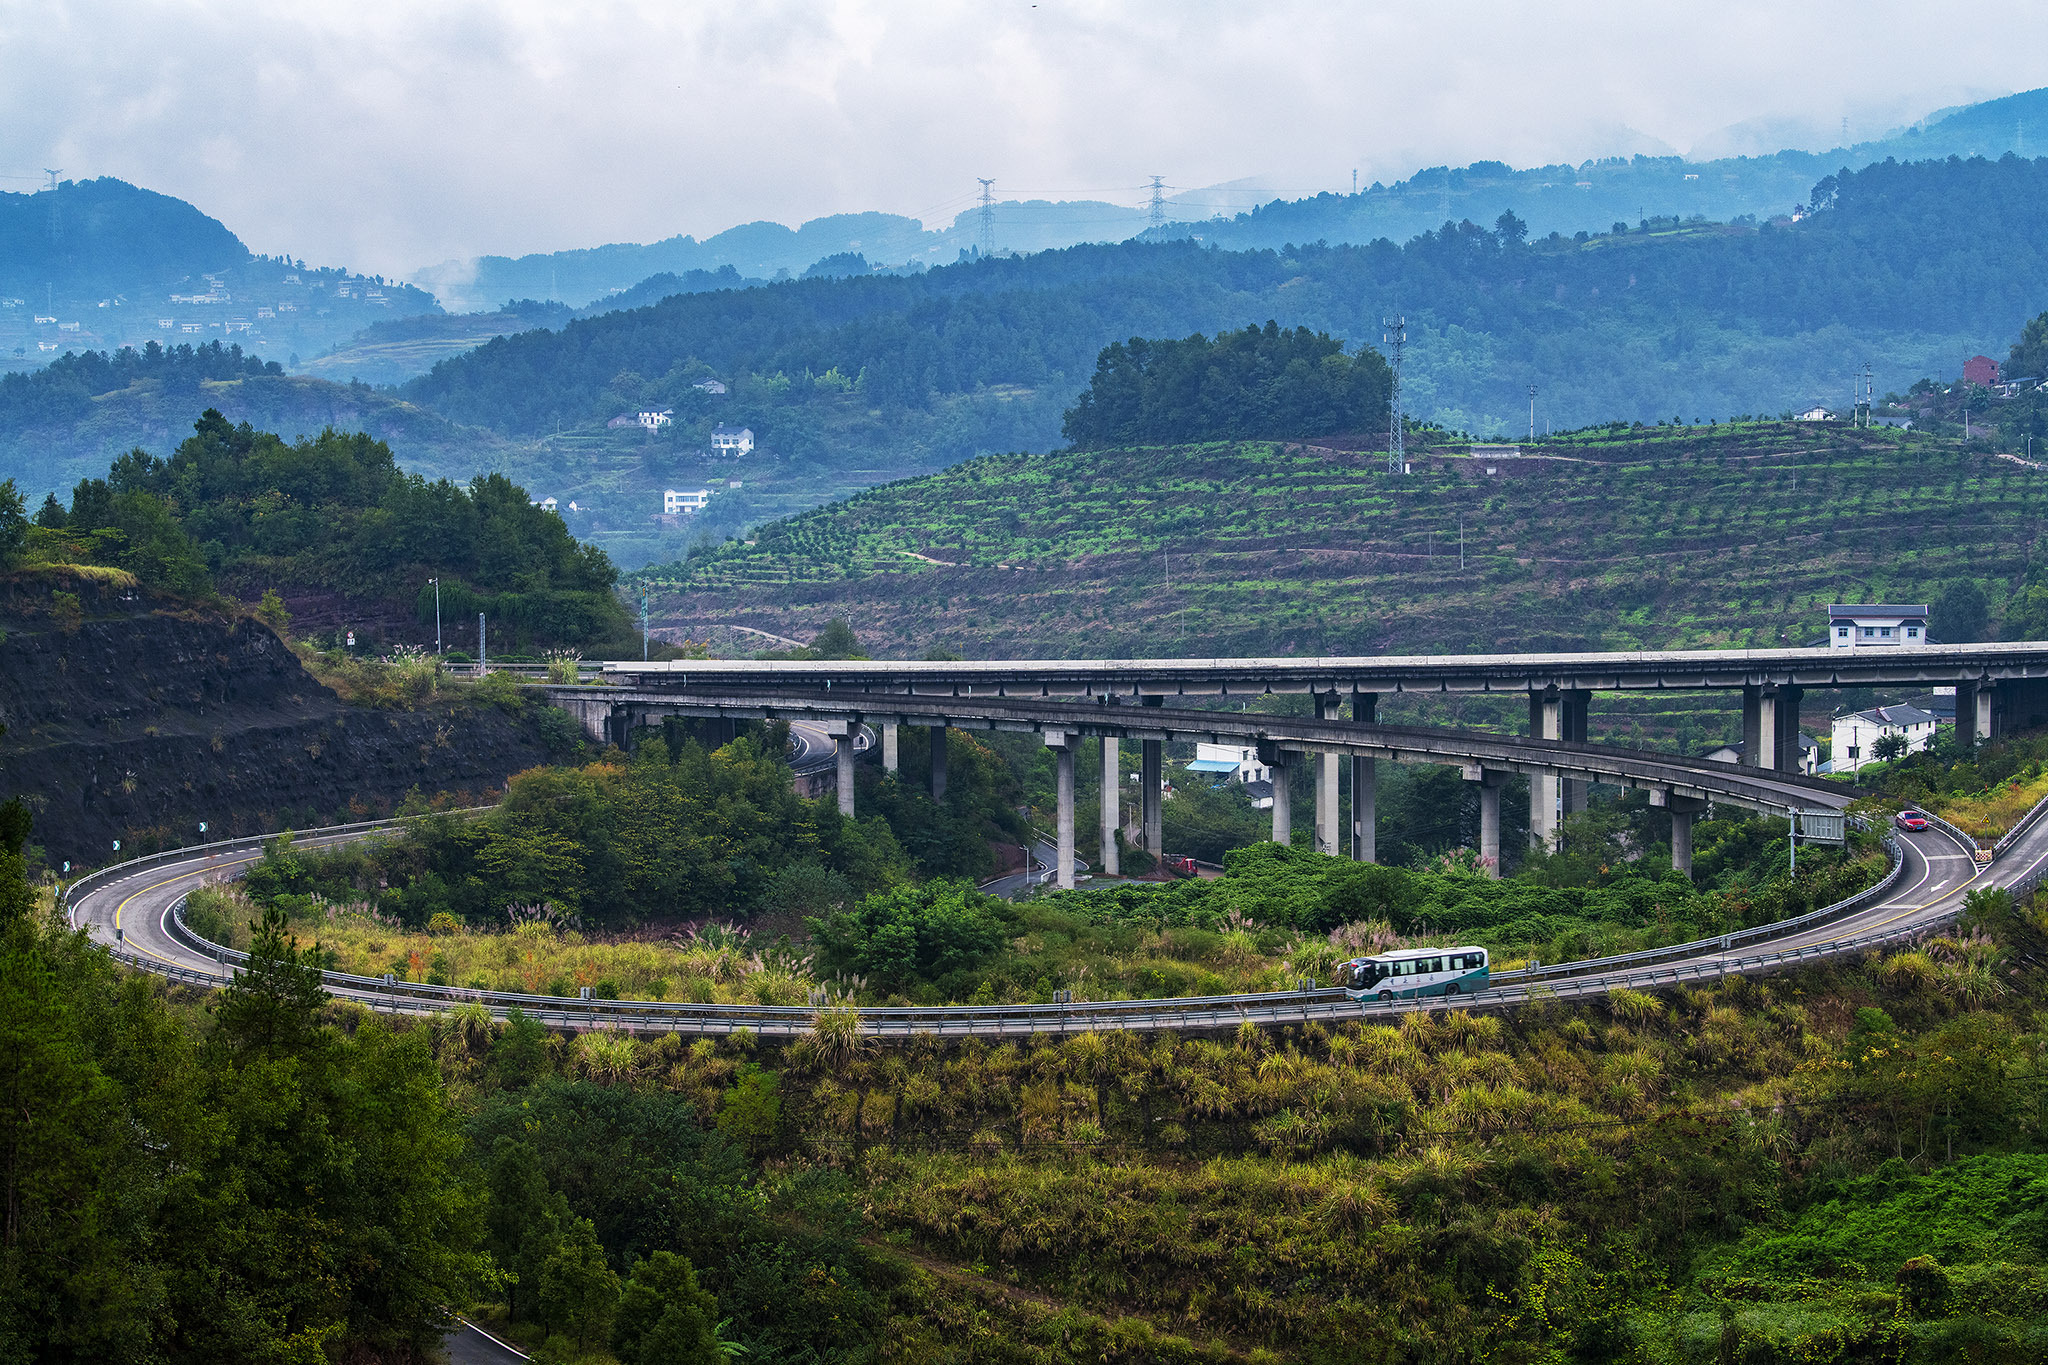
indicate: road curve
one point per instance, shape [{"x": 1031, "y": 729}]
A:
[{"x": 135, "y": 910}]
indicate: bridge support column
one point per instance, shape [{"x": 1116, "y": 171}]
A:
[
  {"x": 1753, "y": 727},
  {"x": 1151, "y": 760},
  {"x": 1365, "y": 710},
  {"x": 939, "y": 763},
  {"x": 1111, "y": 805},
  {"x": 1983, "y": 711},
  {"x": 1489, "y": 817},
  {"x": 1684, "y": 810},
  {"x": 890, "y": 753},
  {"x": 1365, "y": 802},
  {"x": 1785, "y": 756},
  {"x": 1327, "y": 815},
  {"x": 1283, "y": 795},
  {"x": 1546, "y": 721},
  {"x": 842, "y": 750},
  {"x": 1062, "y": 747},
  {"x": 1577, "y": 703}
]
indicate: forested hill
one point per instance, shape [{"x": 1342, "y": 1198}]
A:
[
  {"x": 1909, "y": 267},
  {"x": 106, "y": 235}
]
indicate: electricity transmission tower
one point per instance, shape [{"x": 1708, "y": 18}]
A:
[
  {"x": 1395, "y": 336},
  {"x": 1158, "y": 205},
  {"x": 988, "y": 219},
  {"x": 53, "y": 174}
]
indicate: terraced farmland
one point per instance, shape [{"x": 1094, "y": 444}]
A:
[{"x": 1663, "y": 537}]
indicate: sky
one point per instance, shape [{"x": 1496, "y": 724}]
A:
[{"x": 388, "y": 135}]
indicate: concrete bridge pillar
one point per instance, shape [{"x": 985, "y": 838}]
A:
[
  {"x": 891, "y": 755},
  {"x": 939, "y": 763},
  {"x": 1976, "y": 712},
  {"x": 1151, "y": 762},
  {"x": 1062, "y": 747},
  {"x": 1489, "y": 817},
  {"x": 1577, "y": 703},
  {"x": 1684, "y": 810},
  {"x": 1785, "y": 757},
  {"x": 1283, "y": 798},
  {"x": 1328, "y": 707},
  {"x": 842, "y": 750},
  {"x": 1546, "y": 721},
  {"x": 1365, "y": 710},
  {"x": 1753, "y": 726},
  {"x": 1111, "y": 804}
]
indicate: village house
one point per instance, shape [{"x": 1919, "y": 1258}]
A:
[
  {"x": 727, "y": 440},
  {"x": 1877, "y": 625},
  {"x": 1980, "y": 369},
  {"x": 1857, "y": 733},
  {"x": 675, "y": 502}
]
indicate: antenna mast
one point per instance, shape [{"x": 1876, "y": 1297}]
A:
[
  {"x": 988, "y": 219},
  {"x": 1395, "y": 336},
  {"x": 1158, "y": 205}
]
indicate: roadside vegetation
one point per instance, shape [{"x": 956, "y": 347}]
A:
[
  {"x": 1834, "y": 1165},
  {"x": 1984, "y": 790},
  {"x": 699, "y": 875}
]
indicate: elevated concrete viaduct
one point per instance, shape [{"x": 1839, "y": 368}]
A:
[
  {"x": 1996, "y": 685},
  {"x": 1679, "y": 784}
]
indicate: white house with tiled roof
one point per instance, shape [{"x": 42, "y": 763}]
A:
[
  {"x": 1877, "y": 625},
  {"x": 1855, "y": 734}
]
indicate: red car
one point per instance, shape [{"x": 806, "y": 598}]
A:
[{"x": 1910, "y": 819}]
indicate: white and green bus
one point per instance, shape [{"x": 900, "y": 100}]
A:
[{"x": 1411, "y": 972}]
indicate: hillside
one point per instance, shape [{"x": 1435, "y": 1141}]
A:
[
  {"x": 1563, "y": 198},
  {"x": 1659, "y": 319},
  {"x": 101, "y": 264},
  {"x": 68, "y": 422},
  {"x": 129, "y": 717},
  {"x": 1611, "y": 539}
]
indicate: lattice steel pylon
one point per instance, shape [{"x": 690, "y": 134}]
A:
[
  {"x": 1395, "y": 336},
  {"x": 988, "y": 219},
  {"x": 1158, "y": 204}
]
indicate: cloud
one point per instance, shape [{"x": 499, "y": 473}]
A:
[{"x": 391, "y": 135}]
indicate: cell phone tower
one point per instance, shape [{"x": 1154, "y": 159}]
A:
[
  {"x": 988, "y": 219},
  {"x": 1395, "y": 337}
]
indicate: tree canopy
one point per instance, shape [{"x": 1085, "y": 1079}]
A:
[{"x": 1259, "y": 382}]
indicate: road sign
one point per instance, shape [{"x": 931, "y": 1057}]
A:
[{"x": 1823, "y": 827}]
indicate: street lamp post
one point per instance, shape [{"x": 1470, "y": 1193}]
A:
[{"x": 437, "y": 613}]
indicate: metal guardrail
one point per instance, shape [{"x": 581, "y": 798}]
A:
[
  {"x": 1700, "y": 946},
  {"x": 2025, "y": 823},
  {"x": 114, "y": 872},
  {"x": 1592, "y": 976},
  {"x": 1968, "y": 841}
]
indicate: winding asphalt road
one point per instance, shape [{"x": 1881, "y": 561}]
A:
[{"x": 1937, "y": 873}]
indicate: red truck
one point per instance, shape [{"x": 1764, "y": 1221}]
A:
[{"x": 1179, "y": 867}]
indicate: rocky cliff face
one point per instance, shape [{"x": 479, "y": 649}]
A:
[{"x": 126, "y": 721}]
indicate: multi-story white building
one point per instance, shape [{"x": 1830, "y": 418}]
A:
[
  {"x": 1877, "y": 625},
  {"x": 675, "y": 503},
  {"x": 732, "y": 440},
  {"x": 1857, "y": 733}
]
